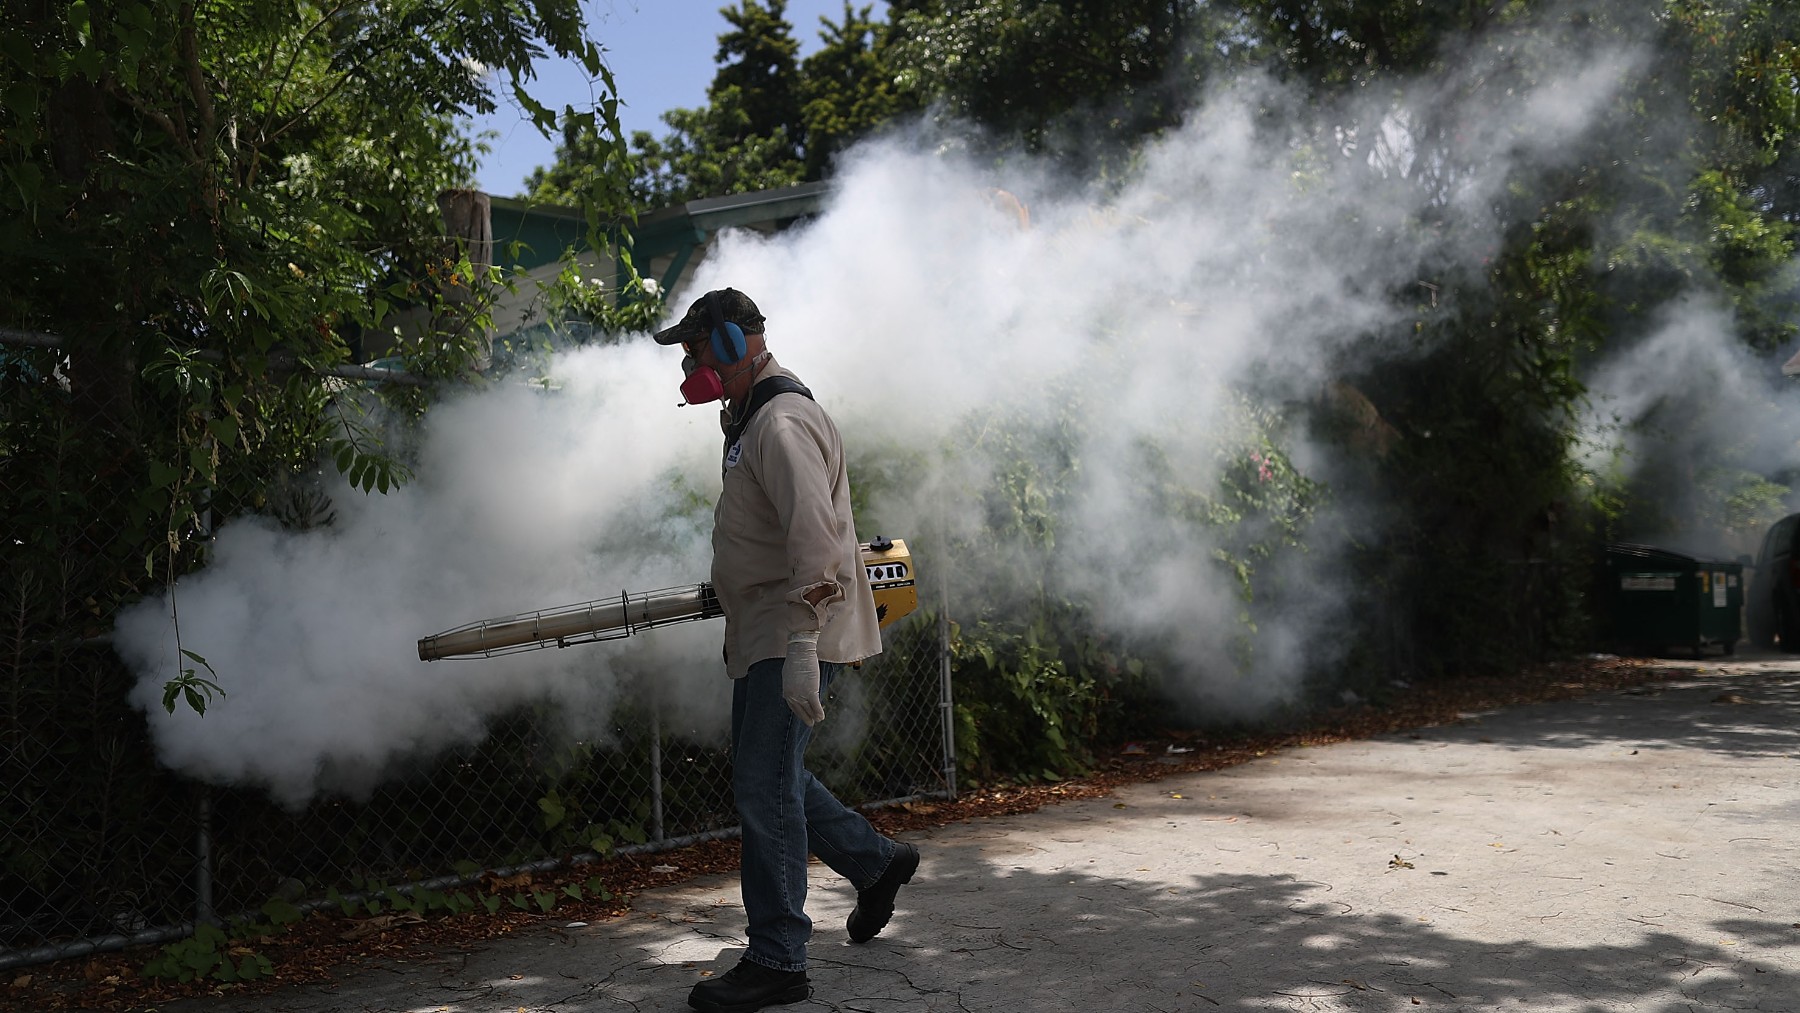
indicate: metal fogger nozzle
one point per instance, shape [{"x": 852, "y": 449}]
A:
[{"x": 605, "y": 619}]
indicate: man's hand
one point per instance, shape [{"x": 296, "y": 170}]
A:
[{"x": 800, "y": 677}]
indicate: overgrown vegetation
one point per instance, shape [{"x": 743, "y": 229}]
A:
[
  {"x": 207, "y": 208},
  {"x": 1462, "y": 425}
]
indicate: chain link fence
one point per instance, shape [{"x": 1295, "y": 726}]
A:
[{"x": 104, "y": 848}]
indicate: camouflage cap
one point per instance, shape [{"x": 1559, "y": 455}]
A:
[{"x": 733, "y": 305}]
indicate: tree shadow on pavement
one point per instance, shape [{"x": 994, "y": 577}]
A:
[
  {"x": 1246, "y": 942},
  {"x": 1748, "y": 716}
]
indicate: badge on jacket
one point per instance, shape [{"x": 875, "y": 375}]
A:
[{"x": 732, "y": 455}]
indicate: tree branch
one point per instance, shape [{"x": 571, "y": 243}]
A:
[
  {"x": 196, "y": 79},
  {"x": 154, "y": 115},
  {"x": 288, "y": 74},
  {"x": 348, "y": 74}
]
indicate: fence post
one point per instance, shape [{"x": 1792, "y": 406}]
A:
[
  {"x": 946, "y": 703},
  {"x": 656, "y": 791},
  {"x": 203, "y": 882}
]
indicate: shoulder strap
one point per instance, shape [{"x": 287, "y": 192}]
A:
[{"x": 764, "y": 392}]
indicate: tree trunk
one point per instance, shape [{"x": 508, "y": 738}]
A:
[{"x": 101, "y": 366}]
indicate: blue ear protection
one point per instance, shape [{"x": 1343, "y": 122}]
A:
[{"x": 727, "y": 338}]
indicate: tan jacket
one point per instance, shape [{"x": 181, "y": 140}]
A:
[{"x": 782, "y": 528}]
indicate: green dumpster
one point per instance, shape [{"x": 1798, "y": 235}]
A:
[{"x": 1652, "y": 599}]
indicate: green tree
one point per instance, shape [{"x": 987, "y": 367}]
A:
[
  {"x": 1679, "y": 189},
  {"x": 758, "y": 74},
  {"x": 848, "y": 90},
  {"x": 1061, "y": 76},
  {"x": 747, "y": 136},
  {"x": 208, "y": 203},
  {"x": 769, "y": 121},
  {"x": 204, "y": 203}
]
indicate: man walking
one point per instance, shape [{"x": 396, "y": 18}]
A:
[{"x": 797, "y": 604}]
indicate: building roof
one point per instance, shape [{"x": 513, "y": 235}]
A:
[{"x": 528, "y": 234}]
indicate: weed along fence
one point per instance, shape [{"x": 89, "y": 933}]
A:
[{"x": 105, "y": 849}]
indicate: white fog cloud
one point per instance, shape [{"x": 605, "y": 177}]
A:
[{"x": 913, "y": 302}]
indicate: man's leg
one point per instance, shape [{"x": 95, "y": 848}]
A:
[
  {"x": 768, "y": 780},
  {"x": 839, "y": 835},
  {"x": 843, "y": 839}
]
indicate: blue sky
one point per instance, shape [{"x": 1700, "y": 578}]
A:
[{"x": 661, "y": 55}]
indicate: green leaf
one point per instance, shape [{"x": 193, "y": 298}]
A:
[
  {"x": 162, "y": 475},
  {"x": 77, "y": 15},
  {"x": 224, "y": 428},
  {"x": 551, "y": 805},
  {"x": 27, "y": 177}
]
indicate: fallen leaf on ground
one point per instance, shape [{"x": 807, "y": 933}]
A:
[{"x": 380, "y": 924}]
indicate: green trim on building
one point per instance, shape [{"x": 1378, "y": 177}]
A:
[{"x": 529, "y": 235}]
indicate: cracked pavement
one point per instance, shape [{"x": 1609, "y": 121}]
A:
[{"x": 1633, "y": 850}]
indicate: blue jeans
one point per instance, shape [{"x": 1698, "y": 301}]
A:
[{"x": 786, "y": 812}]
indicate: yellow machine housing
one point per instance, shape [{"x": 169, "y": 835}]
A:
[{"x": 889, "y": 565}]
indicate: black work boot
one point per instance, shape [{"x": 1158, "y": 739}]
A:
[
  {"x": 875, "y": 905},
  {"x": 748, "y": 987}
]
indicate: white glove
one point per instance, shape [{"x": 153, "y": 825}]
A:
[{"x": 800, "y": 677}]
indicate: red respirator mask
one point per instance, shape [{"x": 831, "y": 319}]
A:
[{"x": 703, "y": 385}]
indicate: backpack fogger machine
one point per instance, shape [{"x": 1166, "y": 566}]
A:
[{"x": 887, "y": 561}]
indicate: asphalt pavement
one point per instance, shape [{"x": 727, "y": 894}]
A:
[{"x": 1635, "y": 850}]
